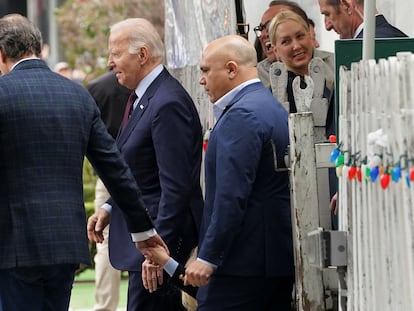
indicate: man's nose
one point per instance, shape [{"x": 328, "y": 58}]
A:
[{"x": 328, "y": 24}]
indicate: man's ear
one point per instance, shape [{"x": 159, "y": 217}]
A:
[
  {"x": 348, "y": 4},
  {"x": 232, "y": 68},
  {"x": 143, "y": 55}
]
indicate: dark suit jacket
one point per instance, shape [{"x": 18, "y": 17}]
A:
[
  {"x": 246, "y": 226},
  {"x": 162, "y": 143},
  {"x": 178, "y": 280},
  {"x": 111, "y": 98},
  {"x": 383, "y": 29},
  {"x": 48, "y": 124}
]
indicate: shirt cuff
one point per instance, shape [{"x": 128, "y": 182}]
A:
[
  {"x": 142, "y": 236},
  {"x": 107, "y": 207},
  {"x": 207, "y": 263},
  {"x": 171, "y": 266}
]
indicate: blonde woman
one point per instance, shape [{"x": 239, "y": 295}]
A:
[{"x": 292, "y": 42}]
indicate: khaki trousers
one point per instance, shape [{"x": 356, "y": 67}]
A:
[{"x": 107, "y": 279}]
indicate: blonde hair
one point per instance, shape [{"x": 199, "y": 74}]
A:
[{"x": 282, "y": 17}]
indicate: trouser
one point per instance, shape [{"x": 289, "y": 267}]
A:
[
  {"x": 242, "y": 293},
  {"x": 107, "y": 279},
  {"x": 43, "y": 288}
]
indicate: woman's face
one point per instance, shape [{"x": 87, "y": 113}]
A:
[{"x": 294, "y": 46}]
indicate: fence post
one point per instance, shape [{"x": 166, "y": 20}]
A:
[{"x": 305, "y": 216}]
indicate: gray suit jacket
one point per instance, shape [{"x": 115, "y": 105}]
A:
[{"x": 48, "y": 124}]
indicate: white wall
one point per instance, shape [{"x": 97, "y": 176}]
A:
[
  {"x": 254, "y": 11},
  {"x": 399, "y": 13}
]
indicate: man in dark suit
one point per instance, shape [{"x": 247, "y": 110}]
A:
[
  {"x": 346, "y": 18},
  {"x": 162, "y": 143},
  {"x": 111, "y": 98},
  {"x": 48, "y": 125},
  {"x": 245, "y": 257}
]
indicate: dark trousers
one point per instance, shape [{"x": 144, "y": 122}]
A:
[
  {"x": 165, "y": 298},
  {"x": 238, "y": 293},
  {"x": 44, "y": 288}
]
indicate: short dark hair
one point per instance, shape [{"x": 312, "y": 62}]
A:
[
  {"x": 295, "y": 7},
  {"x": 19, "y": 37}
]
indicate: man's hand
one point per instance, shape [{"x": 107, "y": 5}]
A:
[
  {"x": 151, "y": 242},
  {"x": 157, "y": 255},
  {"x": 197, "y": 274},
  {"x": 152, "y": 275},
  {"x": 96, "y": 223}
]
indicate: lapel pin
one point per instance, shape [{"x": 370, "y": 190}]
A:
[{"x": 141, "y": 107}]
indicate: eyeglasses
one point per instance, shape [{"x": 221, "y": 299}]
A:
[{"x": 258, "y": 29}]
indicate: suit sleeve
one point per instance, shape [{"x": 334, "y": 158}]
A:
[
  {"x": 238, "y": 151},
  {"x": 173, "y": 136},
  {"x": 178, "y": 280},
  {"x": 104, "y": 155}
]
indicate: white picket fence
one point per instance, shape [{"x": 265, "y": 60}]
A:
[{"x": 376, "y": 186}]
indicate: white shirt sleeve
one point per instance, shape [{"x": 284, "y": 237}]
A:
[
  {"x": 142, "y": 236},
  {"x": 137, "y": 236},
  {"x": 171, "y": 266}
]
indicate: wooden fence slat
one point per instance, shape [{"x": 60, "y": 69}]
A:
[{"x": 305, "y": 218}]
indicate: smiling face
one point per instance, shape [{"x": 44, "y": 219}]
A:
[
  {"x": 264, "y": 37},
  {"x": 293, "y": 44}
]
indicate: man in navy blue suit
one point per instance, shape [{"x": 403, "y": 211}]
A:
[
  {"x": 111, "y": 98},
  {"x": 162, "y": 143},
  {"x": 245, "y": 257},
  {"x": 48, "y": 124},
  {"x": 346, "y": 18}
]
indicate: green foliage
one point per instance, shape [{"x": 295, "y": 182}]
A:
[
  {"x": 84, "y": 28},
  {"x": 89, "y": 181}
]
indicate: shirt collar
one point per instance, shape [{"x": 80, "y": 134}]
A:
[
  {"x": 22, "y": 60},
  {"x": 361, "y": 27},
  {"x": 358, "y": 30},
  {"x": 223, "y": 102},
  {"x": 146, "y": 82}
]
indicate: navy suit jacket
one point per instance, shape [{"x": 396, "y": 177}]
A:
[
  {"x": 246, "y": 228},
  {"x": 162, "y": 143},
  {"x": 48, "y": 124},
  {"x": 383, "y": 29},
  {"x": 178, "y": 280}
]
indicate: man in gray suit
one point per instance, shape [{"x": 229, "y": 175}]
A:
[{"x": 48, "y": 124}]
